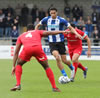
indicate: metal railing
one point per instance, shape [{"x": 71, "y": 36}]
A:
[{"x": 12, "y": 41}]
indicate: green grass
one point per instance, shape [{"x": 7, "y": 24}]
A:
[{"x": 36, "y": 85}]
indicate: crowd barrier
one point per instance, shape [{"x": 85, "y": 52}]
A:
[{"x": 7, "y": 52}]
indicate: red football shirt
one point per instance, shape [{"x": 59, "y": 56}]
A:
[
  {"x": 73, "y": 40},
  {"x": 30, "y": 38}
]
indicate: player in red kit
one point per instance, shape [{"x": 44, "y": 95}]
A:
[
  {"x": 31, "y": 41},
  {"x": 75, "y": 49}
]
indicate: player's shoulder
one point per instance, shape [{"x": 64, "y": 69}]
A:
[
  {"x": 46, "y": 18},
  {"x": 61, "y": 18},
  {"x": 78, "y": 30},
  {"x": 23, "y": 34}
]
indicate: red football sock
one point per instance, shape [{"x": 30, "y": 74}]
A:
[
  {"x": 50, "y": 75},
  {"x": 81, "y": 66},
  {"x": 75, "y": 64},
  {"x": 18, "y": 73}
]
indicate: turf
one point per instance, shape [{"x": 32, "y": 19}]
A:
[{"x": 36, "y": 85}]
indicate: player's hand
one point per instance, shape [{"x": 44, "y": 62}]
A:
[
  {"x": 88, "y": 53},
  {"x": 67, "y": 32},
  {"x": 79, "y": 36},
  {"x": 13, "y": 70}
]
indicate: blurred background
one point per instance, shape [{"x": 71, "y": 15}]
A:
[{"x": 16, "y": 14}]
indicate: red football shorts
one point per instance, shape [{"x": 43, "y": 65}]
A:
[
  {"x": 35, "y": 51},
  {"x": 77, "y": 50}
]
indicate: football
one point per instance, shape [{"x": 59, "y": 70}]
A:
[{"x": 63, "y": 80}]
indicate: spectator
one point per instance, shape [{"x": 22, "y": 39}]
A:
[
  {"x": 8, "y": 26},
  {"x": 96, "y": 36},
  {"x": 37, "y": 13},
  {"x": 9, "y": 15},
  {"x": 42, "y": 14},
  {"x": 80, "y": 23},
  {"x": 68, "y": 19},
  {"x": 36, "y": 22},
  {"x": 74, "y": 21},
  {"x": 14, "y": 35},
  {"x": 49, "y": 9},
  {"x": 2, "y": 16},
  {"x": 75, "y": 12},
  {"x": 10, "y": 10},
  {"x": 15, "y": 23},
  {"x": 67, "y": 11},
  {"x": 24, "y": 15},
  {"x": 18, "y": 10},
  {"x": 81, "y": 11},
  {"x": 94, "y": 17},
  {"x": 89, "y": 27},
  {"x": 33, "y": 13},
  {"x": 1, "y": 27},
  {"x": 98, "y": 27},
  {"x": 84, "y": 30},
  {"x": 46, "y": 14},
  {"x": 88, "y": 18}
]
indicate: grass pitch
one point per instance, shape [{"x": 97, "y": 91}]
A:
[{"x": 36, "y": 85}]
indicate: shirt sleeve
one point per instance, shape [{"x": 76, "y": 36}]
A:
[
  {"x": 65, "y": 22},
  {"x": 43, "y": 21},
  {"x": 82, "y": 33},
  {"x": 41, "y": 32},
  {"x": 18, "y": 41}
]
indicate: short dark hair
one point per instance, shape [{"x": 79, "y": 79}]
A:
[
  {"x": 30, "y": 27},
  {"x": 53, "y": 8},
  {"x": 73, "y": 25}
]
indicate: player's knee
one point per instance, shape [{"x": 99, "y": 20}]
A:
[
  {"x": 58, "y": 58},
  {"x": 19, "y": 63},
  {"x": 64, "y": 61},
  {"x": 73, "y": 60},
  {"x": 44, "y": 64}
]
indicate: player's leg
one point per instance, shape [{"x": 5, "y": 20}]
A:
[
  {"x": 59, "y": 62},
  {"x": 54, "y": 51},
  {"x": 18, "y": 73},
  {"x": 74, "y": 58},
  {"x": 49, "y": 74},
  {"x": 81, "y": 66},
  {"x": 62, "y": 52},
  {"x": 67, "y": 62},
  {"x": 64, "y": 59},
  {"x": 85, "y": 69},
  {"x": 76, "y": 54},
  {"x": 78, "y": 50},
  {"x": 42, "y": 59},
  {"x": 75, "y": 61},
  {"x": 22, "y": 59},
  {"x": 58, "y": 59}
]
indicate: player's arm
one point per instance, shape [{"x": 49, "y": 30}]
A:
[
  {"x": 67, "y": 24},
  {"x": 43, "y": 21},
  {"x": 89, "y": 46},
  {"x": 46, "y": 33},
  {"x": 74, "y": 31},
  {"x": 18, "y": 46},
  {"x": 37, "y": 26}
]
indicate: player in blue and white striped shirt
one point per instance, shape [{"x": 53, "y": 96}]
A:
[{"x": 56, "y": 42}]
